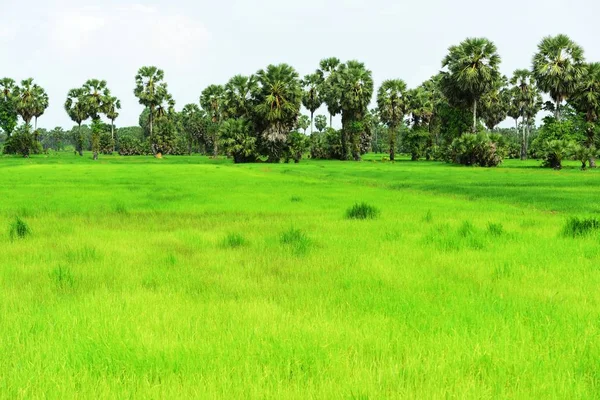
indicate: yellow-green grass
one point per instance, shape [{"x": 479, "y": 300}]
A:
[{"x": 195, "y": 278}]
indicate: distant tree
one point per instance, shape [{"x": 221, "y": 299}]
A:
[
  {"x": 557, "y": 67},
  {"x": 76, "y": 108},
  {"x": 495, "y": 104},
  {"x": 212, "y": 101},
  {"x": 26, "y": 98},
  {"x": 320, "y": 122},
  {"x": 97, "y": 101},
  {"x": 311, "y": 97},
  {"x": 303, "y": 123},
  {"x": 113, "y": 105},
  {"x": 472, "y": 72},
  {"x": 330, "y": 88},
  {"x": 8, "y": 108},
  {"x": 237, "y": 140},
  {"x": 392, "y": 104},
  {"x": 278, "y": 100},
  {"x": 526, "y": 101},
  {"x": 195, "y": 125},
  {"x": 586, "y": 100},
  {"x": 237, "y": 97},
  {"x": 152, "y": 93},
  {"x": 41, "y": 103}
]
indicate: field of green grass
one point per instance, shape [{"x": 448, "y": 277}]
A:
[{"x": 195, "y": 278}]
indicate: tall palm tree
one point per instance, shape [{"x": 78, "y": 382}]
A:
[
  {"x": 472, "y": 71},
  {"x": 150, "y": 90},
  {"x": 96, "y": 95},
  {"x": 392, "y": 104},
  {"x": 557, "y": 67},
  {"x": 76, "y": 108},
  {"x": 8, "y": 111},
  {"x": 278, "y": 100},
  {"x": 356, "y": 88},
  {"x": 330, "y": 91},
  {"x": 311, "y": 97},
  {"x": 238, "y": 96},
  {"x": 212, "y": 101},
  {"x": 113, "y": 104},
  {"x": 587, "y": 100},
  {"x": 525, "y": 99},
  {"x": 26, "y": 100},
  {"x": 41, "y": 103}
]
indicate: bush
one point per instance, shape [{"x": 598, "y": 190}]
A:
[
  {"x": 131, "y": 146},
  {"x": 475, "y": 149},
  {"x": 237, "y": 140},
  {"x": 234, "y": 240},
  {"x": 107, "y": 144},
  {"x": 362, "y": 211},
  {"x": 554, "y": 152},
  {"x": 295, "y": 239},
  {"x": 584, "y": 154},
  {"x": 22, "y": 142},
  {"x": 296, "y": 145},
  {"x": 576, "y": 227},
  {"x": 19, "y": 229}
]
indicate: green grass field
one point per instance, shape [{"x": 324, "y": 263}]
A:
[{"x": 195, "y": 278}]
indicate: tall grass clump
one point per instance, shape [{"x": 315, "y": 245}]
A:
[
  {"x": 19, "y": 229},
  {"x": 576, "y": 227},
  {"x": 296, "y": 240},
  {"x": 362, "y": 211},
  {"x": 495, "y": 229},
  {"x": 234, "y": 240}
]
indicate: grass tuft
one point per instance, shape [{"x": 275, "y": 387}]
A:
[
  {"x": 63, "y": 277},
  {"x": 495, "y": 229},
  {"x": 234, "y": 240},
  {"x": 296, "y": 199},
  {"x": 576, "y": 227},
  {"x": 19, "y": 229},
  {"x": 295, "y": 239},
  {"x": 362, "y": 211}
]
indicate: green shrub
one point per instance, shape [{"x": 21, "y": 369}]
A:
[
  {"x": 475, "y": 149},
  {"x": 495, "y": 229},
  {"x": 554, "y": 152},
  {"x": 19, "y": 229},
  {"x": 107, "y": 144},
  {"x": 295, "y": 239},
  {"x": 576, "y": 227},
  {"x": 234, "y": 240},
  {"x": 362, "y": 211}
]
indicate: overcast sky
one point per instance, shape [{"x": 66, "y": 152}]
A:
[{"x": 62, "y": 43}]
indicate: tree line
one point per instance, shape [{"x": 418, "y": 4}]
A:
[{"x": 453, "y": 116}]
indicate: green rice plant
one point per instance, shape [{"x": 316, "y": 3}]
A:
[
  {"x": 63, "y": 277},
  {"x": 296, "y": 240},
  {"x": 362, "y": 211},
  {"x": 466, "y": 229},
  {"x": 495, "y": 229},
  {"x": 296, "y": 199},
  {"x": 19, "y": 229},
  {"x": 576, "y": 227},
  {"x": 234, "y": 240}
]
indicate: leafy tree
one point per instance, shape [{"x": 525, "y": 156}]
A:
[
  {"x": 392, "y": 104},
  {"x": 96, "y": 97},
  {"x": 237, "y": 140},
  {"x": 320, "y": 122},
  {"x": 238, "y": 97},
  {"x": 303, "y": 123},
  {"x": 586, "y": 100},
  {"x": 278, "y": 99},
  {"x": 311, "y": 97},
  {"x": 330, "y": 89},
  {"x": 152, "y": 93},
  {"x": 494, "y": 105},
  {"x": 76, "y": 108},
  {"x": 195, "y": 124},
  {"x": 8, "y": 109},
  {"x": 212, "y": 101},
  {"x": 472, "y": 72},
  {"x": 557, "y": 68},
  {"x": 296, "y": 145},
  {"x": 356, "y": 87},
  {"x": 21, "y": 142}
]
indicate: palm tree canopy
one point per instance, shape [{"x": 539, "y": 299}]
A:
[
  {"x": 587, "y": 96},
  {"x": 356, "y": 84},
  {"x": 149, "y": 87},
  {"x": 557, "y": 66},
  {"x": 113, "y": 104},
  {"x": 76, "y": 106},
  {"x": 392, "y": 101},
  {"x": 238, "y": 96},
  {"x": 311, "y": 98},
  {"x": 212, "y": 101}
]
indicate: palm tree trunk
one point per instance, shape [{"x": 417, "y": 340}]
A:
[
  {"x": 524, "y": 141},
  {"x": 474, "y": 116},
  {"x": 112, "y": 133},
  {"x": 80, "y": 141},
  {"x": 590, "y": 145},
  {"x": 331, "y": 120},
  {"x": 393, "y": 143},
  {"x": 557, "y": 110},
  {"x": 312, "y": 114},
  {"x": 35, "y": 129}
]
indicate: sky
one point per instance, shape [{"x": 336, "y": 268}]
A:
[{"x": 62, "y": 43}]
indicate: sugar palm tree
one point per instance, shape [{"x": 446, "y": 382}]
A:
[
  {"x": 525, "y": 98},
  {"x": 8, "y": 111},
  {"x": 212, "y": 101},
  {"x": 26, "y": 100},
  {"x": 150, "y": 90},
  {"x": 238, "y": 96},
  {"x": 41, "y": 103},
  {"x": 330, "y": 91},
  {"x": 587, "y": 100},
  {"x": 113, "y": 105},
  {"x": 557, "y": 68},
  {"x": 472, "y": 71},
  {"x": 356, "y": 88},
  {"x": 278, "y": 100},
  {"x": 311, "y": 97},
  {"x": 76, "y": 108},
  {"x": 392, "y": 104}
]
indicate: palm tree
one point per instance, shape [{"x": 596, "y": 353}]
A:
[
  {"x": 41, "y": 103},
  {"x": 113, "y": 104},
  {"x": 557, "y": 68},
  {"x": 26, "y": 100},
  {"x": 8, "y": 111},
  {"x": 525, "y": 99},
  {"x": 472, "y": 71},
  {"x": 150, "y": 90},
  {"x": 356, "y": 84},
  {"x": 320, "y": 123},
  {"x": 212, "y": 101},
  {"x": 238, "y": 96},
  {"x": 75, "y": 106},
  {"x": 587, "y": 100},
  {"x": 278, "y": 100},
  {"x": 330, "y": 92},
  {"x": 392, "y": 104},
  {"x": 303, "y": 123},
  {"x": 96, "y": 96},
  {"x": 311, "y": 97}
]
